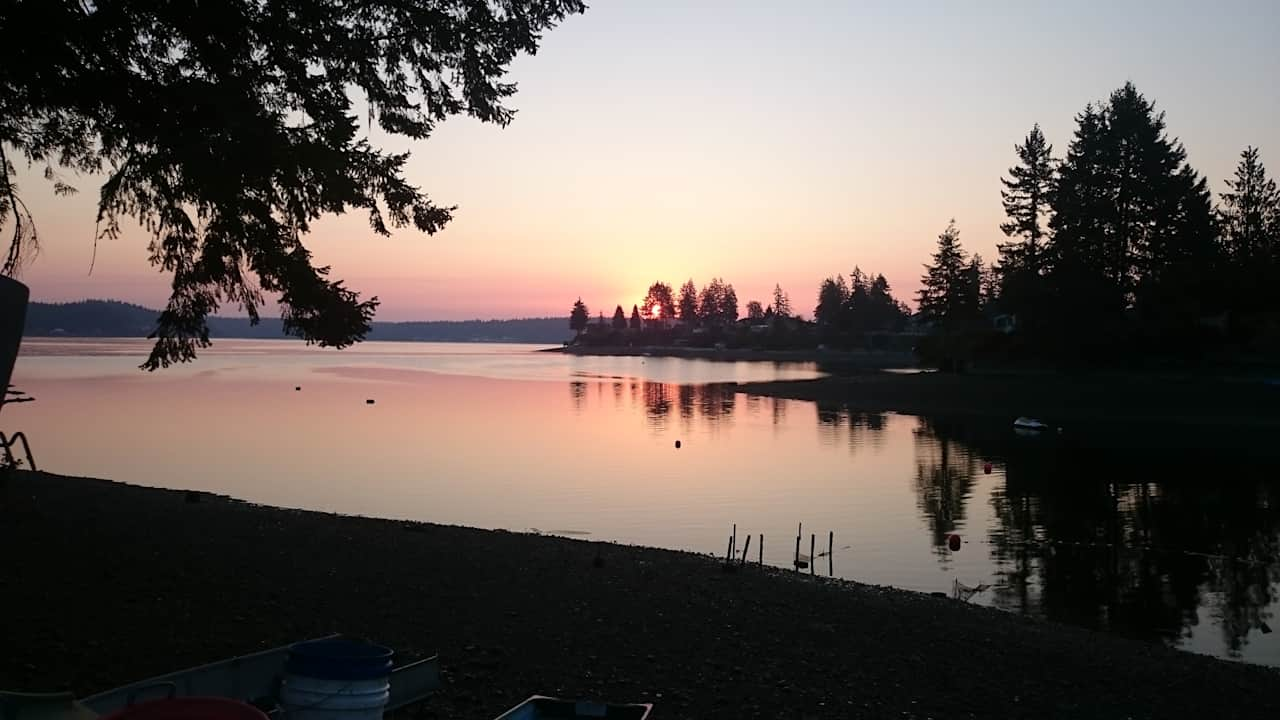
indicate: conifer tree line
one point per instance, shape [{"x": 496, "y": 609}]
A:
[
  {"x": 715, "y": 304},
  {"x": 846, "y": 311},
  {"x": 1117, "y": 246},
  {"x": 861, "y": 304}
]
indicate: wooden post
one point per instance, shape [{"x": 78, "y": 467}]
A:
[
  {"x": 831, "y": 543},
  {"x": 812, "y": 560},
  {"x": 746, "y": 546},
  {"x": 733, "y": 541},
  {"x": 728, "y": 551},
  {"x": 761, "y": 549},
  {"x": 797, "y": 560}
]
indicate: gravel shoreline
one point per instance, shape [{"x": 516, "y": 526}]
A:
[{"x": 106, "y": 583}]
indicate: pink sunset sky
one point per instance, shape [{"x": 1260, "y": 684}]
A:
[{"x": 760, "y": 142}]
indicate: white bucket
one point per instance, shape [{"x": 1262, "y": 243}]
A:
[{"x": 307, "y": 698}]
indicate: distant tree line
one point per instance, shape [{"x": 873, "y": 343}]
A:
[
  {"x": 693, "y": 316},
  {"x": 711, "y": 315},
  {"x": 863, "y": 304}
]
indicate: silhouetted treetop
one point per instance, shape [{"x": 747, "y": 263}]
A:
[
  {"x": 688, "y": 304},
  {"x": 781, "y": 302},
  {"x": 1027, "y": 197},
  {"x": 718, "y": 303},
  {"x": 579, "y": 317},
  {"x": 1133, "y": 222},
  {"x": 226, "y": 129},
  {"x": 1249, "y": 221},
  {"x": 1250, "y": 213},
  {"x": 619, "y": 319},
  {"x": 833, "y": 294},
  {"x": 949, "y": 296},
  {"x": 659, "y": 301}
]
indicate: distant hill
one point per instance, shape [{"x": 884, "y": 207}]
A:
[{"x": 110, "y": 318}]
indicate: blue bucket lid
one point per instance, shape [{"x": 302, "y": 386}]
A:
[{"x": 339, "y": 659}]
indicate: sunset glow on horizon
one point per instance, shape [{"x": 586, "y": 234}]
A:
[{"x": 765, "y": 143}]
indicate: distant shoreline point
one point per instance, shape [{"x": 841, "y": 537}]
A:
[{"x": 861, "y": 359}]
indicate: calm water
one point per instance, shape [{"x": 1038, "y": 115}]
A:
[{"x": 1173, "y": 547}]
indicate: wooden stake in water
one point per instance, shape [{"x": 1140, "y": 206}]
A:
[
  {"x": 733, "y": 540},
  {"x": 797, "y": 560},
  {"x": 728, "y": 551},
  {"x": 745, "y": 548},
  {"x": 761, "y": 549},
  {"x": 831, "y": 543},
  {"x": 812, "y": 539}
]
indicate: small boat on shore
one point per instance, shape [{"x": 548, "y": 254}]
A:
[
  {"x": 256, "y": 680},
  {"x": 1029, "y": 424},
  {"x": 540, "y": 707}
]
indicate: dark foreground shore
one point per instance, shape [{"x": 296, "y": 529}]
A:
[{"x": 105, "y": 583}]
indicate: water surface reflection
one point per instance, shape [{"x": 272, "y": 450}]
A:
[{"x": 1167, "y": 545}]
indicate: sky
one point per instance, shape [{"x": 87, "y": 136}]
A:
[{"x": 761, "y": 142}]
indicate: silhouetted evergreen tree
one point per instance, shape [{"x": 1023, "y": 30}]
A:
[
  {"x": 1249, "y": 219},
  {"x": 832, "y": 296},
  {"x": 884, "y": 312},
  {"x": 1085, "y": 273},
  {"x": 578, "y": 317},
  {"x": 949, "y": 296},
  {"x": 619, "y": 319},
  {"x": 781, "y": 302},
  {"x": 754, "y": 310},
  {"x": 853, "y": 313},
  {"x": 716, "y": 301},
  {"x": 982, "y": 284},
  {"x": 1133, "y": 225},
  {"x": 227, "y": 129},
  {"x": 689, "y": 302},
  {"x": 728, "y": 305},
  {"x": 636, "y": 324},
  {"x": 660, "y": 297},
  {"x": 1026, "y": 197}
]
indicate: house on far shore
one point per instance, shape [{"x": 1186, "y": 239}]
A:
[{"x": 660, "y": 323}]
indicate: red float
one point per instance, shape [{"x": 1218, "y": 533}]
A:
[{"x": 953, "y": 542}]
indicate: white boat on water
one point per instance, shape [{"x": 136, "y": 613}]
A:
[{"x": 1029, "y": 424}]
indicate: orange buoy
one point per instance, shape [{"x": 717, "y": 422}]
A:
[
  {"x": 677, "y": 444},
  {"x": 953, "y": 542},
  {"x": 986, "y": 469}
]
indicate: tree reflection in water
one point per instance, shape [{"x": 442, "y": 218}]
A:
[
  {"x": 1141, "y": 541},
  {"x": 578, "y": 394},
  {"x": 714, "y": 404},
  {"x": 837, "y": 424},
  {"x": 1137, "y": 542},
  {"x": 944, "y": 475}
]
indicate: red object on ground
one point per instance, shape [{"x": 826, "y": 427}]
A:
[
  {"x": 953, "y": 542},
  {"x": 191, "y": 708}
]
